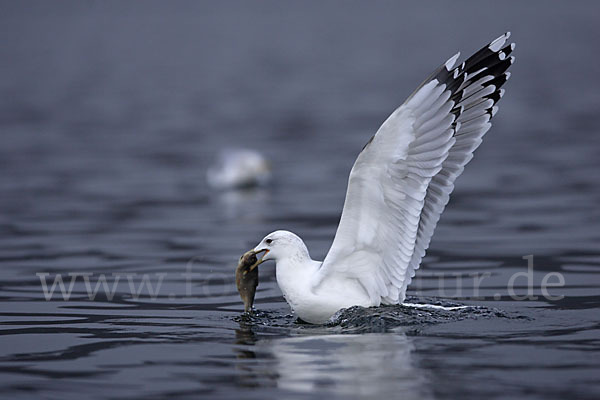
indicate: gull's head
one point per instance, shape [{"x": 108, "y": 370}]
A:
[{"x": 281, "y": 244}]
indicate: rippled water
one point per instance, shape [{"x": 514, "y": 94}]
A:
[{"x": 110, "y": 114}]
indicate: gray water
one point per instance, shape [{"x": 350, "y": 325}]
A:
[{"x": 111, "y": 112}]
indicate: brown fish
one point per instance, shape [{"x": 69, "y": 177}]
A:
[{"x": 246, "y": 278}]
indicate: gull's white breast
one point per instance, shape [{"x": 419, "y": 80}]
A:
[{"x": 317, "y": 304}]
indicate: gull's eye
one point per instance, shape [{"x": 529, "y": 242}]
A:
[{"x": 268, "y": 241}]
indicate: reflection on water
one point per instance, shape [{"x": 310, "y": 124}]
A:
[
  {"x": 244, "y": 204},
  {"x": 362, "y": 366},
  {"x": 359, "y": 365}
]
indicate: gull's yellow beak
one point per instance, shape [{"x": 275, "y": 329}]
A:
[{"x": 260, "y": 260}]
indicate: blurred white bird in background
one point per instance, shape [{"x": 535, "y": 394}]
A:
[{"x": 239, "y": 168}]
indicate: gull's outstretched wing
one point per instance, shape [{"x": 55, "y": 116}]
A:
[{"x": 402, "y": 180}]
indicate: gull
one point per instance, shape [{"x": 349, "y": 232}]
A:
[
  {"x": 398, "y": 187},
  {"x": 237, "y": 169}
]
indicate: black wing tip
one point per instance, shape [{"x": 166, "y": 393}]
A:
[
  {"x": 448, "y": 73},
  {"x": 491, "y": 63},
  {"x": 492, "y": 60},
  {"x": 495, "y": 52}
]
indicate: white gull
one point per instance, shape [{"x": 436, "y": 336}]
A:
[{"x": 397, "y": 190}]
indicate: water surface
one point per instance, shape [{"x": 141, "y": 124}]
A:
[{"x": 110, "y": 114}]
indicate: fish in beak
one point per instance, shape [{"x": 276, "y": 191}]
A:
[{"x": 246, "y": 277}]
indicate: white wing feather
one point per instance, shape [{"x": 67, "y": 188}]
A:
[{"x": 401, "y": 181}]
